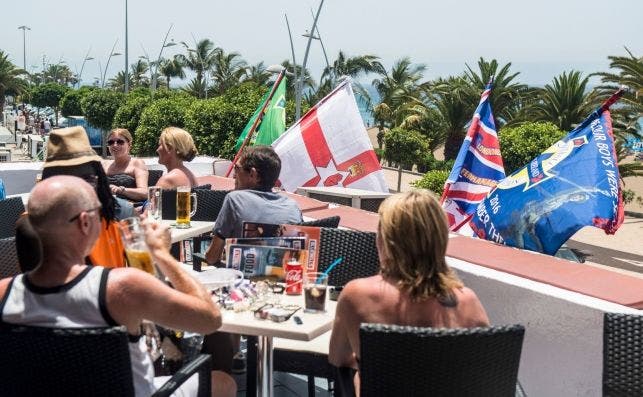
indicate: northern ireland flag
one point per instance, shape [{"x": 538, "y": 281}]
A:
[{"x": 329, "y": 146}]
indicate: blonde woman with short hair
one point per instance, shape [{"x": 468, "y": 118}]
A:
[
  {"x": 415, "y": 286},
  {"x": 176, "y": 146}
]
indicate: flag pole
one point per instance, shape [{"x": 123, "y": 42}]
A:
[
  {"x": 257, "y": 120},
  {"x": 613, "y": 98}
]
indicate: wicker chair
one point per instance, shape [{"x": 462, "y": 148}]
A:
[
  {"x": 622, "y": 355},
  {"x": 357, "y": 249},
  {"x": 10, "y": 208},
  {"x": 39, "y": 361},
  {"x": 209, "y": 204},
  {"x": 331, "y": 222},
  {"x": 360, "y": 259},
  {"x": 8, "y": 258},
  {"x": 412, "y": 361},
  {"x": 169, "y": 201},
  {"x": 153, "y": 177}
]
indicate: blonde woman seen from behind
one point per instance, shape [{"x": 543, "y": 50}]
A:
[
  {"x": 415, "y": 286},
  {"x": 176, "y": 146},
  {"x": 127, "y": 175}
]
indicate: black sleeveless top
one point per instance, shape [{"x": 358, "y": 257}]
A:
[{"x": 122, "y": 180}]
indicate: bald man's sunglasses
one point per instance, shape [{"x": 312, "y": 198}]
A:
[{"x": 80, "y": 213}]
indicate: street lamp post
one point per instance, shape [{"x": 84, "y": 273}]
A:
[
  {"x": 80, "y": 75},
  {"x": 300, "y": 82},
  {"x": 158, "y": 60},
  {"x": 24, "y": 28},
  {"x": 126, "y": 53},
  {"x": 104, "y": 72}
]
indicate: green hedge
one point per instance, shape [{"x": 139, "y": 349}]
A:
[
  {"x": 129, "y": 114},
  {"x": 519, "y": 145},
  {"x": 433, "y": 180},
  {"x": 160, "y": 114},
  {"x": 100, "y": 106}
]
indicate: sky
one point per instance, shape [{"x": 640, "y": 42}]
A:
[{"x": 540, "y": 38}]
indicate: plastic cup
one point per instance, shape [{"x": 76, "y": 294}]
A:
[{"x": 315, "y": 287}]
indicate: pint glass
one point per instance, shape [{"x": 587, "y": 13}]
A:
[
  {"x": 154, "y": 203},
  {"x": 136, "y": 251},
  {"x": 183, "y": 209}
]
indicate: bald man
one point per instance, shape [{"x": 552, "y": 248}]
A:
[{"x": 64, "y": 212}]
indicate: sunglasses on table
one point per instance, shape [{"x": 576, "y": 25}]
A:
[{"x": 119, "y": 142}]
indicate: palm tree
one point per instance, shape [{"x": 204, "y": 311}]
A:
[
  {"x": 58, "y": 73},
  {"x": 455, "y": 99},
  {"x": 117, "y": 83},
  {"x": 507, "y": 96},
  {"x": 228, "y": 71},
  {"x": 625, "y": 118},
  {"x": 258, "y": 74},
  {"x": 348, "y": 66},
  {"x": 10, "y": 83},
  {"x": 565, "y": 102},
  {"x": 171, "y": 68},
  {"x": 395, "y": 89},
  {"x": 138, "y": 77},
  {"x": 199, "y": 60},
  {"x": 195, "y": 87},
  {"x": 308, "y": 81},
  {"x": 628, "y": 73}
]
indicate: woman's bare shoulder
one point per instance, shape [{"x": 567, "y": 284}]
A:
[
  {"x": 362, "y": 287},
  {"x": 138, "y": 163}
]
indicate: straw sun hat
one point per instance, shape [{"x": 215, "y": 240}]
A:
[{"x": 69, "y": 146}]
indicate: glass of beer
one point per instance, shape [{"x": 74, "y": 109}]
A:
[
  {"x": 154, "y": 203},
  {"x": 136, "y": 251},
  {"x": 315, "y": 286},
  {"x": 184, "y": 211}
]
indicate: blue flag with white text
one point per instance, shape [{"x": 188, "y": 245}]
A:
[{"x": 574, "y": 183}]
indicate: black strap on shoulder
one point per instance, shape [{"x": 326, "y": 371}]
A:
[{"x": 102, "y": 298}]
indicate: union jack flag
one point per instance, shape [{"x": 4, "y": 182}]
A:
[{"x": 477, "y": 169}]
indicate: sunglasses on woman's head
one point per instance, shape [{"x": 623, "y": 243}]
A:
[{"x": 119, "y": 142}]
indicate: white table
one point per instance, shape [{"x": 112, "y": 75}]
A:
[
  {"x": 196, "y": 228},
  {"x": 313, "y": 325}
]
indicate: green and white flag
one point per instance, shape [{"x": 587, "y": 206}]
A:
[{"x": 273, "y": 123}]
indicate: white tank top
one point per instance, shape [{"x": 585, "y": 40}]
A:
[{"x": 79, "y": 303}]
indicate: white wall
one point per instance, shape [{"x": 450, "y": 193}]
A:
[
  {"x": 20, "y": 177},
  {"x": 563, "y": 347}
]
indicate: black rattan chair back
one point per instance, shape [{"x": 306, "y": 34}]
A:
[
  {"x": 357, "y": 249},
  {"x": 10, "y": 210},
  {"x": 209, "y": 204},
  {"x": 153, "y": 177},
  {"x": 9, "y": 266},
  {"x": 68, "y": 362},
  {"x": 168, "y": 211},
  {"x": 622, "y": 355},
  {"x": 412, "y": 361},
  {"x": 331, "y": 222}
]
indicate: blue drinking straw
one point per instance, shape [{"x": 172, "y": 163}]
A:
[{"x": 331, "y": 267}]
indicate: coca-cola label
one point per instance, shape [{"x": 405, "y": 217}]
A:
[{"x": 294, "y": 278}]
